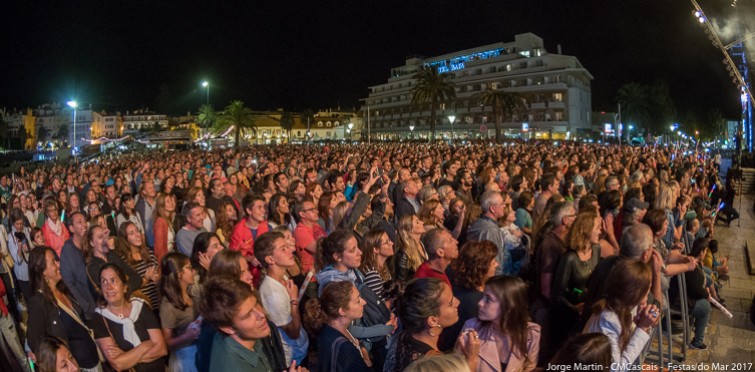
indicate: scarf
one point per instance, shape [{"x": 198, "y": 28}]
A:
[
  {"x": 57, "y": 228},
  {"x": 129, "y": 331}
]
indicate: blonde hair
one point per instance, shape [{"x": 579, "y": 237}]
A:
[
  {"x": 453, "y": 362},
  {"x": 408, "y": 244},
  {"x": 665, "y": 199}
]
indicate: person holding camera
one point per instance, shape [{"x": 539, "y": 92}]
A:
[{"x": 19, "y": 247}]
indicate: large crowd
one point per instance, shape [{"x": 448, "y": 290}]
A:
[{"x": 383, "y": 257}]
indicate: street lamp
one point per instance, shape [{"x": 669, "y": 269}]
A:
[
  {"x": 411, "y": 130},
  {"x": 451, "y": 119},
  {"x": 74, "y": 105},
  {"x": 351, "y": 126},
  {"x": 206, "y": 85}
]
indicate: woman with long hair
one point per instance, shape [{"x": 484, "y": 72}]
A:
[
  {"x": 329, "y": 317},
  {"x": 206, "y": 246},
  {"x": 624, "y": 314},
  {"x": 164, "y": 225},
  {"x": 128, "y": 213},
  {"x": 612, "y": 203},
  {"x": 474, "y": 266},
  {"x": 339, "y": 257},
  {"x": 227, "y": 219},
  {"x": 326, "y": 205},
  {"x": 426, "y": 307},
  {"x": 125, "y": 328},
  {"x": 279, "y": 213},
  {"x": 411, "y": 254},
  {"x": 178, "y": 315},
  {"x": 314, "y": 191},
  {"x": 297, "y": 191},
  {"x": 99, "y": 252},
  {"x": 432, "y": 214},
  {"x": 131, "y": 247},
  {"x": 509, "y": 341},
  {"x": 376, "y": 248},
  {"x": 53, "y": 355},
  {"x": 568, "y": 291},
  {"x": 55, "y": 311}
]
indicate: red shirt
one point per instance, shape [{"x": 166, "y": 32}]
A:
[
  {"x": 305, "y": 236},
  {"x": 425, "y": 271}
]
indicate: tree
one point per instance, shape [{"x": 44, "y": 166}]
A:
[
  {"x": 714, "y": 127},
  {"x": 647, "y": 106},
  {"x": 432, "y": 88},
  {"x": 206, "y": 116},
  {"x": 505, "y": 104},
  {"x": 287, "y": 123},
  {"x": 661, "y": 105},
  {"x": 5, "y": 131},
  {"x": 633, "y": 99},
  {"x": 42, "y": 133},
  {"x": 308, "y": 119},
  {"x": 239, "y": 117},
  {"x": 63, "y": 133}
]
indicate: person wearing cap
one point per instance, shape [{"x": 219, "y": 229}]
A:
[{"x": 632, "y": 213}]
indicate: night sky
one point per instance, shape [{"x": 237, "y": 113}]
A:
[{"x": 123, "y": 55}]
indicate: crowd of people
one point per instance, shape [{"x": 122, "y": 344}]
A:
[{"x": 383, "y": 257}]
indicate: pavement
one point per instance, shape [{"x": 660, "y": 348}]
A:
[{"x": 732, "y": 340}]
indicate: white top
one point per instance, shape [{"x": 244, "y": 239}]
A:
[
  {"x": 277, "y": 303},
  {"x": 608, "y": 324}
]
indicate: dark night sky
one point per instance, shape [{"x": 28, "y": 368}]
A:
[{"x": 316, "y": 54}]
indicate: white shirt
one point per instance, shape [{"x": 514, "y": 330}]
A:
[{"x": 277, "y": 302}]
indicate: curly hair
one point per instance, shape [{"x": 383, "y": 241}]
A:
[
  {"x": 421, "y": 300},
  {"x": 471, "y": 268},
  {"x": 335, "y": 296}
]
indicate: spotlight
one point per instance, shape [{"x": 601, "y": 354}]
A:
[{"x": 697, "y": 14}]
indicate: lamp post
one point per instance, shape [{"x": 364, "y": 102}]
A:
[
  {"x": 451, "y": 119},
  {"x": 74, "y": 105},
  {"x": 629, "y": 133},
  {"x": 351, "y": 126},
  {"x": 411, "y": 130},
  {"x": 206, "y": 85}
]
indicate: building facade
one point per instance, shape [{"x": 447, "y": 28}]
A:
[
  {"x": 135, "y": 122},
  {"x": 555, "y": 86},
  {"x": 105, "y": 126},
  {"x": 21, "y": 126}
]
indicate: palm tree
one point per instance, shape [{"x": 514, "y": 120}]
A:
[
  {"x": 635, "y": 105},
  {"x": 504, "y": 104},
  {"x": 206, "y": 116},
  {"x": 287, "y": 123},
  {"x": 239, "y": 117},
  {"x": 5, "y": 130},
  {"x": 432, "y": 88}
]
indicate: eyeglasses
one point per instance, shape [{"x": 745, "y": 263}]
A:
[{"x": 308, "y": 210}]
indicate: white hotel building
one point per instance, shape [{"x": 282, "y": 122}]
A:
[{"x": 556, "y": 87}]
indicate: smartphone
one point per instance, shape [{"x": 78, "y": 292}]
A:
[{"x": 63, "y": 216}]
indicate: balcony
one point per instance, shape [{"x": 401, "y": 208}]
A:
[
  {"x": 556, "y": 104},
  {"x": 537, "y": 105}
]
